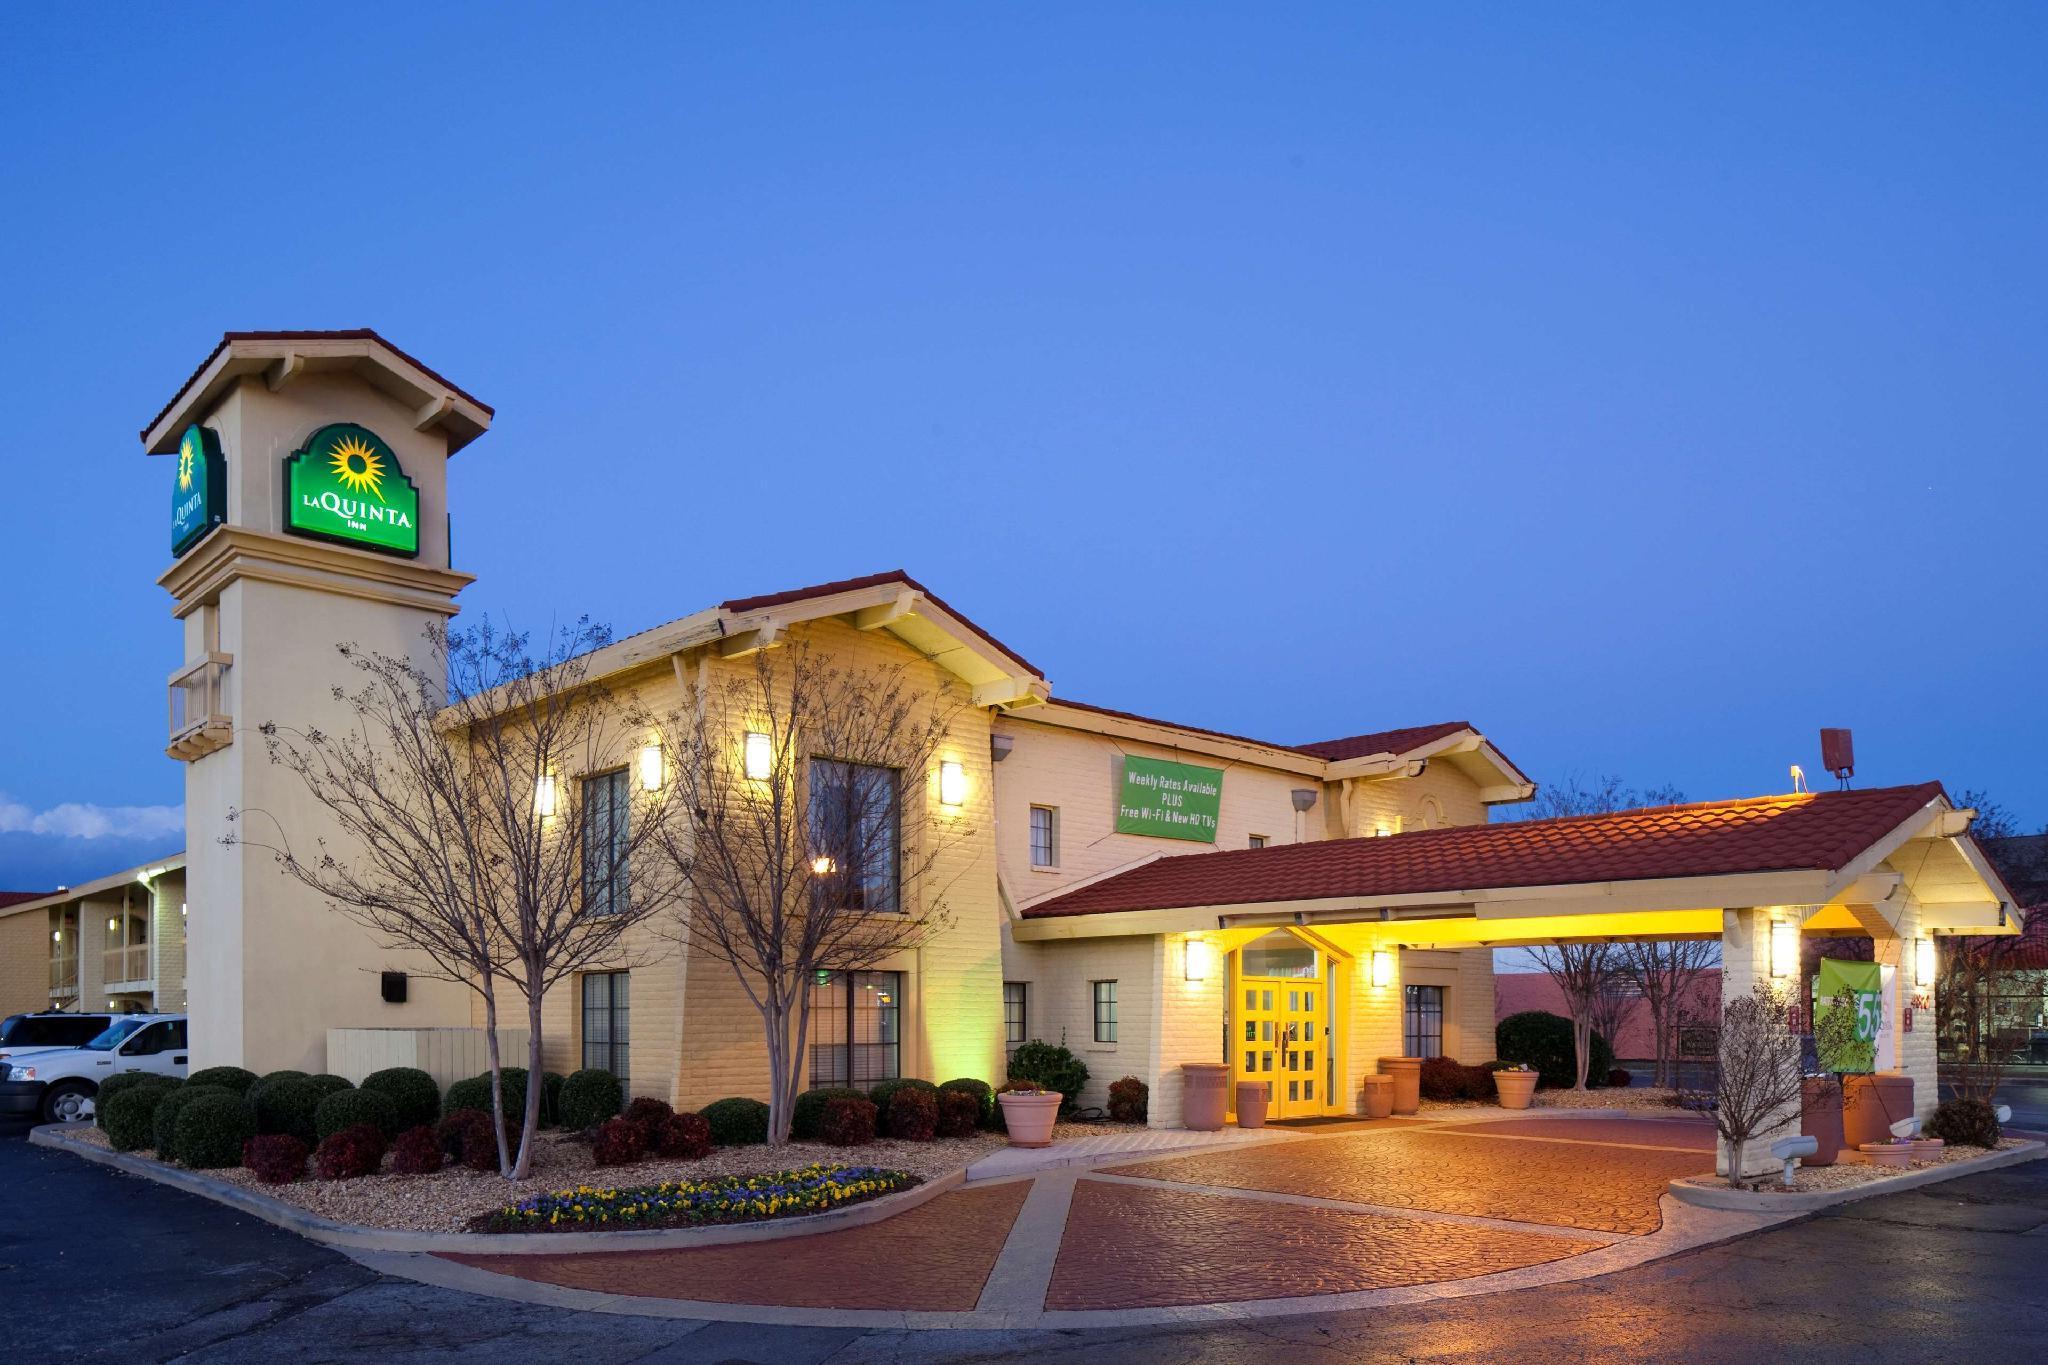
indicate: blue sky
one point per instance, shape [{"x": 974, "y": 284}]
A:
[{"x": 1651, "y": 388}]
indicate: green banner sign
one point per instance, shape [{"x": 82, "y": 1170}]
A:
[
  {"x": 199, "y": 488},
  {"x": 1863, "y": 984},
  {"x": 345, "y": 485},
  {"x": 1169, "y": 800}
]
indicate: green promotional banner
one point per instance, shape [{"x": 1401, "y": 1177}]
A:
[
  {"x": 345, "y": 485},
  {"x": 1863, "y": 983},
  {"x": 199, "y": 488},
  {"x": 1169, "y": 800}
]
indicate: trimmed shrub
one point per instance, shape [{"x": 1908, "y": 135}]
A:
[
  {"x": 1053, "y": 1067},
  {"x": 474, "y": 1094},
  {"x": 327, "y": 1083},
  {"x": 351, "y": 1153},
  {"x": 984, "y": 1095},
  {"x": 959, "y": 1114},
  {"x": 211, "y": 1127},
  {"x": 1968, "y": 1123},
  {"x": 164, "y": 1125},
  {"x": 129, "y": 1115},
  {"x": 416, "y": 1151},
  {"x": 285, "y": 1075},
  {"x": 276, "y": 1158},
  {"x": 347, "y": 1108},
  {"x": 286, "y": 1105},
  {"x": 882, "y": 1092},
  {"x": 849, "y": 1121},
  {"x": 736, "y": 1122},
  {"x": 115, "y": 1084},
  {"x": 807, "y": 1118},
  {"x": 1478, "y": 1083},
  {"x": 466, "y": 1137},
  {"x": 589, "y": 1097},
  {"x": 1442, "y": 1079},
  {"x": 682, "y": 1137},
  {"x": 646, "y": 1113},
  {"x": 620, "y": 1142},
  {"x": 235, "y": 1078},
  {"x": 550, "y": 1099},
  {"x": 414, "y": 1097},
  {"x": 1619, "y": 1077},
  {"x": 914, "y": 1114},
  {"x": 1543, "y": 1040},
  {"x": 1129, "y": 1099}
]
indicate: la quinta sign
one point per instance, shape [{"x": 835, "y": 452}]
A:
[
  {"x": 345, "y": 485},
  {"x": 199, "y": 496}
]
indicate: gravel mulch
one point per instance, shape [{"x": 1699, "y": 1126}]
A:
[
  {"x": 1610, "y": 1097},
  {"x": 449, "y": 1199},
  {"x": 1846, "y": 1174}
]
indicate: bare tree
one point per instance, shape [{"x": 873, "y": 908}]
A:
[
  {"x": 1592, "y": 794},
  {"x": 1666, "y": 974},
  {"x": 479, "y": 817},
  {"x": 1760, "y": 1083},
  {"x": 826, "y": 860},
  {"x": 1972, "y": 973},
  {"x": 1583, "y": 973}
]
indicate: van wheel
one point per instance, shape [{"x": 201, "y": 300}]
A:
[{"x": 66, "y": 1102}]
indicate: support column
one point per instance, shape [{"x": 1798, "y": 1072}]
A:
[
  {"x": 1745, "y": 961},
  {"x": 1893, "y": 947}
]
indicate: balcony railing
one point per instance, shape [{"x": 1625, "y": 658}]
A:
[
  {"x": 199, "y": 723},
  {"x": 63, "y": 975},
  {"x": 127, "y": 964}
]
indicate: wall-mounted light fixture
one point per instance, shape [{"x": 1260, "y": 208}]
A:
[
  {"x": 952, "y": 783},
  {"x": 1784, "y": 948},
  {"x": 1923, "y": 962},
  {"x": 181, "y": 910},
  {"x": 112, "y": 925},
  {"x": 56, "y": 936},
  {"x": 650, "y": 767},
  {"x": 544, "y": 796},
  {"x": 760, "y": 756},
  {"x": 1382, "y": 968},
  {"x": 1197, "y": 965}
]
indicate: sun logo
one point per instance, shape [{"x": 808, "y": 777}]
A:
[
  {"x": 185, "y": 466},
  {"x": 354, "y": 461}
]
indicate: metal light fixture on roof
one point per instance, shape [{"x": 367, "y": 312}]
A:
[{"x": 760, "y": 756}]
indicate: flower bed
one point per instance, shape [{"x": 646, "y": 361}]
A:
[{"x": 693, "y": 1203}]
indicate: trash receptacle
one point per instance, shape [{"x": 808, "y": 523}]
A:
[
  {"x": 1204, "y": 1097},
  {"x": 1251, "y": 1104},
  {"x": 1379, "y": 1096},
  {"x": 1407, "y": 1074}
]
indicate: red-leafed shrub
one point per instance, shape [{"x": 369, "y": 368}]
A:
[
  {"x": 959, "y": 1113},
  {"x": 683, "y": 1137},
  {"x": 1619, "y": 1076},
  {"x": 466, "y": 1136},
  {"x": 350, "y": 1153},
  {"x": 276, "y": 1158},
  {"x": 416, "y": 1151},
  {"x": 1128, "y": 1100},
  {"x": 1479, "y": 1083},
  {"x": 1442, "y": 1079},
  {"x": 914, "y": 1115},
  {"x": 849, "y": 1121},
  {"x": 646, "y": 1113},
  {"x": 620, "y": 1142}
]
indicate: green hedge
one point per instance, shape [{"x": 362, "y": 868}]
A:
[
  {"x": 286, "y": 1104},
  {"x": 1543, "y": 1040},
  {"x": 347, "y": 1108},
  {"x": 589, "y": 1097},
  {"x": 233, "y": 1078},
  {"x": 807, "y": 1118},
  {"x": 115, "y": 1084},
  {"x": 475, "y": 1093},
  {"x": 736, "y": 1121},
  {"x": 412, "y": 1093},
  {"x": 211, "y": 1128},
  {"x": 129, "y": 1114},
  {"x": 163, "y": 1132}
]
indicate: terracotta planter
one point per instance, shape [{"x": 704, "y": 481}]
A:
[
  {"x": 1204, "y": 1093},
  {"x": 1379, "y": 1096},
  {"x": 1516, "y": 1088},
  {"x": 1820, "y": 1118},
  {"x": 1928, "y": 1149},
  {"x": 1887, "y": 1153},
  {"x": 1872, "y": 1104},
  {"x": 1251, "y": 1104},
  {"x": 1029, "y": 1116},
  {"x": 1407, "y": 1074}
]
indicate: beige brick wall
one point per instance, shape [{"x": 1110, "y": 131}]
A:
[
  {"x": 1062, "y": 1006},
  {"x": 24, "y": 962},
  {"x": 1467, "y": 981},
  {"x": 1443, "y": 796},
  {"x": 167, "y": 932}
]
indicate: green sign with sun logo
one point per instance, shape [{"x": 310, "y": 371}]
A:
[
  {"x": 199, "y": 488},
  {"x": 345, "y": 485}
]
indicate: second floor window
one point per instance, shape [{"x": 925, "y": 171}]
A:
[
  {"x": 854, "y": 833},
  {"x": 605, "y": 810},
  {"x": 1045, "y": 836},
  {"x": 1256, "y": 841}
]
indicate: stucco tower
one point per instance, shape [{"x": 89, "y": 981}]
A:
[{"x": 309, "y": 508}]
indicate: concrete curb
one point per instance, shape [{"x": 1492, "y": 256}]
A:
[
  {"x": 355, "y": 1237},
  {"x": 1812, "y": 1201}
]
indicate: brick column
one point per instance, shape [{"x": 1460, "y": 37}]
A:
[
  {"x": 1916, "y": 1050},
  {"x": 1745, "y": 961},
  {"x": 1190, "y": 1020}
]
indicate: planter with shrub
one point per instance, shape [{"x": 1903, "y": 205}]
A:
[
  {"x": 1029, "y": 1112},
  {"x": 1129, "y": 1099},
  {"x": 414, "y": 1096},
  {"x": 849, "y": 1121},
  {"x": 737, "y": 1121},
  {"x": 211, "y": 1127},
  {"x": 589, "y": 1097},
  {"x": 351, "y": 1153},
  {"x": 275, "y": 1158},
  {"x": 347, "y": 1108},
  {"x": 1050, "y": 1067},
  {"x": 1516, "y": 1085}
]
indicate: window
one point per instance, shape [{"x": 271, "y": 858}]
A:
[
  {"x": 607, "y": 1024},
  {"x": 1422, "y": 1024},
  {"x": 1105, "y": 1011},
  {"x": 605, "y": 810},
  {"x": 1256, "y": 841},
  {"x": 1014, "y": 1019},
  {"x": 856, "y": 1028},
  {"x": 854, "y": 832},
  {"x": 167, "y": 1036},
  {"x": 1045, "y": 836}
]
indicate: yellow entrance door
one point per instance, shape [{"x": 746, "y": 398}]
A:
[{"x": 1281, "y": 1041}]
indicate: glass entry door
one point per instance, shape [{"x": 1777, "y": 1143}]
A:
[{"x": 1280, "y": 1031}]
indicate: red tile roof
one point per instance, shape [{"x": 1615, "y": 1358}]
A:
[
  {"x": 874, "y": 580},
  {"x": 1822, "y": 831},
  {"x": 18, "y": 897},
  {"x": 1383, "y": 741}
]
